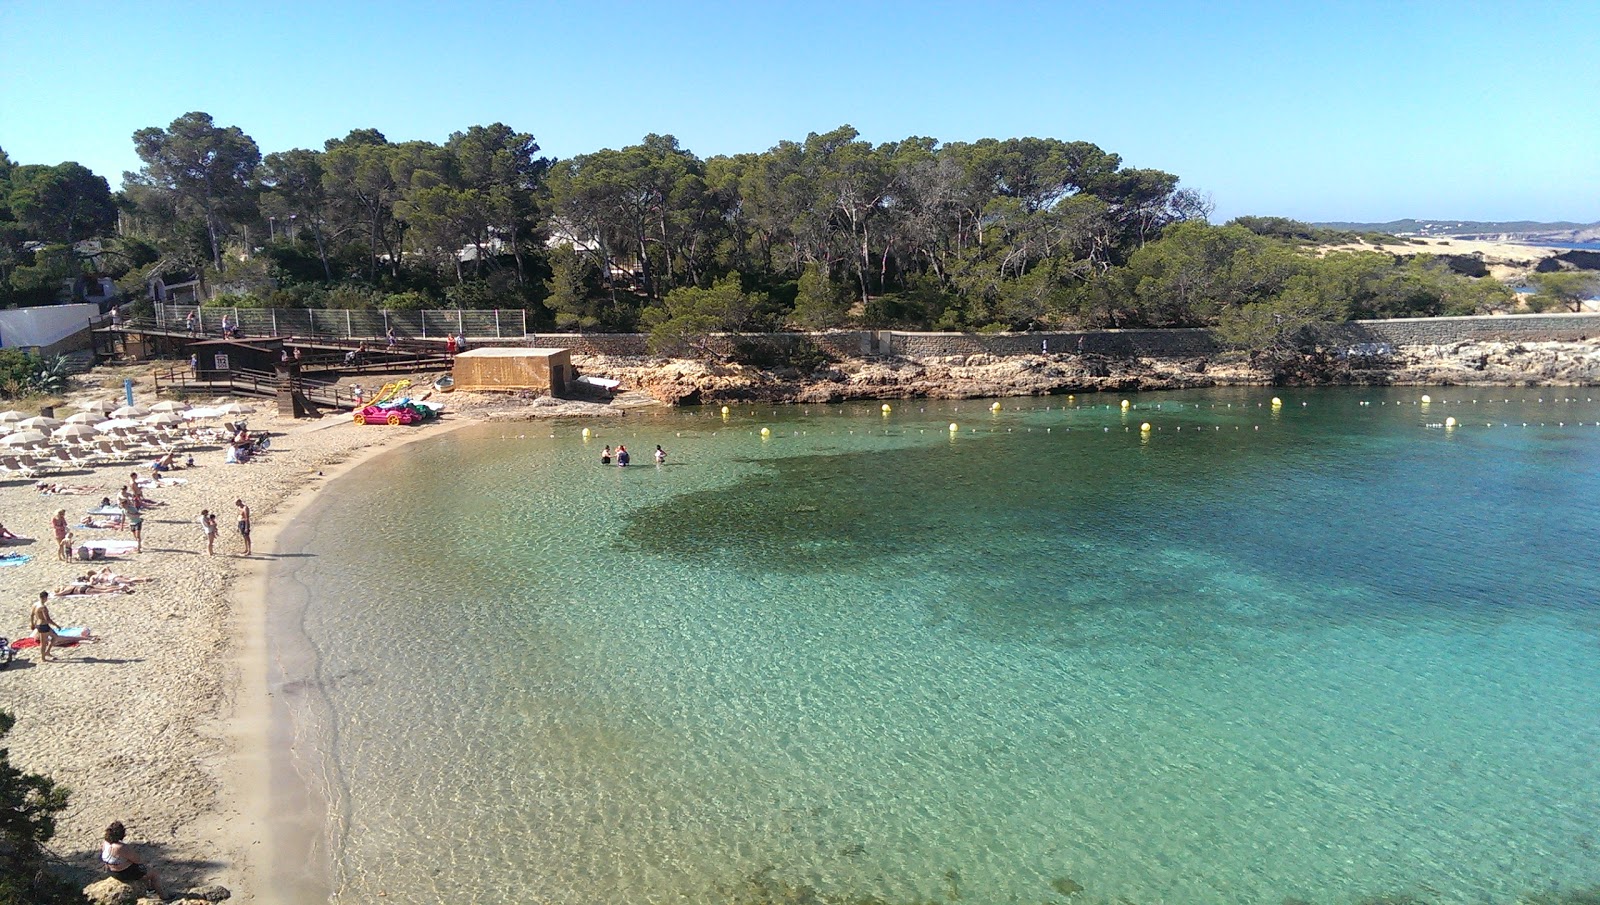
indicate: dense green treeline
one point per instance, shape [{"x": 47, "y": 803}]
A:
[{"x": 829, "y": 231}]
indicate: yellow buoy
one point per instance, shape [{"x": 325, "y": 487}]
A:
[
  {"x": 1144, "y": 428},
  {"x": 1426, "y": 399},
  {"x": 1449, "y": 422},
  {"x": 954, "y": 427},
  {"x": 766, "y": 431},
  {"x": 724, "y": 410},
  {"x": 1126, "y": 403},
  {"x": 995, "y": 407},
  {"x": 1276, "y": 401},
  {"x": 886, "y": 409}
]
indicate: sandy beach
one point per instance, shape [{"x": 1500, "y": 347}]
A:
[{"x": 163, "y": 723}]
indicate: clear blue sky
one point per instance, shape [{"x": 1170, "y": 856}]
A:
[{"x": 1319, "y": 111}]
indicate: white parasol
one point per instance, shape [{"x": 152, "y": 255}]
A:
[
  {"x": 38, "y": 423},
  {"x": 24, "y": 438},
  {"x": 130, "y": 411},
  {"x": 86, "y": 418},
  {"x": 74, "y": 432},
  {"x": 117, "y": 424}
]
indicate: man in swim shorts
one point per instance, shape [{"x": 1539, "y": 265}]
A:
[{"x": 244, "y": 524}]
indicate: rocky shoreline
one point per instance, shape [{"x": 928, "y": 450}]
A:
[{"x": 682, "y": 382}]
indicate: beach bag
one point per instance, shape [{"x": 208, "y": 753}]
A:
[{"x": 7, "y": 653}]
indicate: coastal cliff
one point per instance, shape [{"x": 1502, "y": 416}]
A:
[{"x": 681, "y": 382}]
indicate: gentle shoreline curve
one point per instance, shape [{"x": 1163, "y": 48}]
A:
[
  {"x": 186, "y": 758},
  {"x": 162, "y": 725},
  {"x": 292, "y": 808}
]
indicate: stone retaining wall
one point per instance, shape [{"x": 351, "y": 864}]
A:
[{"x": 1147, "y": 343}]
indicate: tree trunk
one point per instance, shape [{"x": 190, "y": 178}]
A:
[{"x": 322, "y": 251}]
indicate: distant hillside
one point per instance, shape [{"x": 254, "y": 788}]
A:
[{"x": 1520, "y": 230}]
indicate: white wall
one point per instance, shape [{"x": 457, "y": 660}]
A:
[{"x": 44, "y": 325}]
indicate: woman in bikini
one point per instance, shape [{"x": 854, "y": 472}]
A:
[
  {"x": 124, "y": 863},
  {"x": 58, "y": 524}
]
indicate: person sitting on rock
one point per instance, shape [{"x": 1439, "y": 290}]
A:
[{"x": 124, "y": 863}]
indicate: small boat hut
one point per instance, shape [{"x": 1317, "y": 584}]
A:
[{"x": 497, "y": 368}]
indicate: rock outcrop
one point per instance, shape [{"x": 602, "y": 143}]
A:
[
  {"x": 680, "y": 382},
  {"x": 111, "y": 891}
]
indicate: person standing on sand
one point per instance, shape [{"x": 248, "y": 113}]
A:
[
  {"x": 133, "y": 520},
  {"x": 244, "y": 524},
  {"x": 124, "y": 863},
  {"x": 208, "y": 527},
  {"x": 58, "y": 525},
  {"x": 44, "y": 626}
]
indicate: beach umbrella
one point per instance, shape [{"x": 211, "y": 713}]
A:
[
  {"x": 117, "y": 424},
  {"x": 86, "y": 418},
  {"x": 170, "y": 406},
  {"x": 99, "y": 405},
  {"x": 12, "y": 416},
  {"x": 203, "y": 412},
  {"x": 38, "y": 423},
  {"x": 130, "y": 411},
  {"x": 160, "y": 418},
  {"x": 74, "y": 432},
  {"x": 24, "y": 438},
  {"x": 234, "y": 408}
]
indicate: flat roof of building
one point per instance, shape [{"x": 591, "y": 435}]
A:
[{"x": 508, "y": 352}]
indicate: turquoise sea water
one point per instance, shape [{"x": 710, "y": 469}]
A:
[{"x": 1329, "y": 652}]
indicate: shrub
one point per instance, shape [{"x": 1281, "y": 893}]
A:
[{"x": 29, "y": 804}]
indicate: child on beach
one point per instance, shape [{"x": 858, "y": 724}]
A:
[
  {"x": 661, "y": 455},
  {"x": 605, "y": 455}
]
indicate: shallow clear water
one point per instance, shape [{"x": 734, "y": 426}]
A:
[{"x": 1330, "y": 652}]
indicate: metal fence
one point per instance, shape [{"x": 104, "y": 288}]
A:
[{"x": 348, "y": 323}]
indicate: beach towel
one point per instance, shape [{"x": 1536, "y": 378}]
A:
[
  {"x": 62, "y": 639},
  {"x": 106, "y": 548},
  {"x": 106, "y": 510},
  {"x": 14, "y": 559}
]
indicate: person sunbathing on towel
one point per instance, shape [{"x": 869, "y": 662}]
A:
[
  {"x": 105, "y": 578},
  {"x": 45, "y": 487},
  {"x": 5, "y": 534},
  {"x": 90, "y": 521},
  {"x": 85, "y": 585}
]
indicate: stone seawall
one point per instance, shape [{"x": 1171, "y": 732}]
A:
[{"x": 1137, "y": 343}]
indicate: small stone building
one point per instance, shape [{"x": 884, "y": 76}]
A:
[{"x": 494, "y": 368}]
